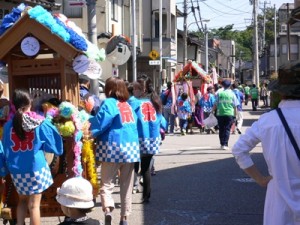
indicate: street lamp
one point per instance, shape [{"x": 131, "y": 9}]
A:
[{"x": 206, "y": 40}]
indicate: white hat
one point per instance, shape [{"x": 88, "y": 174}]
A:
[
  {"x": 164, "y": 87},
  {"x": 76, "y": 192}
]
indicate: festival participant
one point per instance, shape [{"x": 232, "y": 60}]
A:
[
  {"x": 150, "y": 120},
  {"x": 237, "y": 125},
  {"x": 254, "y": 97},
  {"x": 134, "y": 90},
  {"x": 5, "y": 109},
  {"x": 225, "y": 105},
  {"x": 115, "y": 129},
  {"x": 247, "y": 94},
  {"x": 184, "y": 112},
  {"x": 168, "y": 108},
  {"x": 280, "y": 150},
  {"x": 264, "y": 94},
  {"x": 75, "y": 197},
  {"x": 207, "y": 102},
  {"x": 25, "y": 138},
  {"x": 90, "y": 102}
]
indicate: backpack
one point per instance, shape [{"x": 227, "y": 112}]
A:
[{"x": 165, "y": 98}]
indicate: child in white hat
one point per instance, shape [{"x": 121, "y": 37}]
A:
[{"x": 76, "y": 199}]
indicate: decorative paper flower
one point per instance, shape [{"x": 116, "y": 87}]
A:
[
  {"x": 66, "y": 109},
  {"x": 50, "y": 110},
  {"x": 89, "y": 158},
  {"x": 10, "y": 19},
  {"x": 44, "y": 17},
  {"x": 75, "y": 39},
  {"x": 66, "y": 129},
  {"x": 77, "y": 167},
  {"x": 83, "y": 116},
  {"x": 94, "y": 52}
]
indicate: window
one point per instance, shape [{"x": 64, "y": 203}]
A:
[
  {"x": 71, "y": 11},
  {"x": 284, "y": 49},
  {"x": 156, "y": 25},
  {"x": 114, "y": 10},
  {"x": 294, "y": 48}
]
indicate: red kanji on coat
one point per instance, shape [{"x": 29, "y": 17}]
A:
[
  {"x": 148, "y": 112},
  {"x": 126, "y": 112},
  {"x": 25, "y": 145}
]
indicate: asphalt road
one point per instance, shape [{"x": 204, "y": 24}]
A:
[{"x": 196, "y": 184}]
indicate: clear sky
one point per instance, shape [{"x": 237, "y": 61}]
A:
[{"x": 223, "y": 12}]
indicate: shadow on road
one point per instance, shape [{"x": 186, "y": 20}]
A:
[{"x": 211, "y": 193}]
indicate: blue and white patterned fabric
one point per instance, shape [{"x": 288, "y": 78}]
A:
[
  {"x": 167, "y": 93},
  {"x": 33, "y": 182},
  {"x": 3, "y": 167},
  {"x": 111, "y": 152},
  {"x": 115, "y": 129},
  {"x": 150, "y": 145},
  {"x": 25, "y": 160},
  {"x": 184, "y": 109},
  {"x": 149, "y": 124}
]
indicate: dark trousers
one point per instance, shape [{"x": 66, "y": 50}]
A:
[
  {"x": 183, "y": 124},
  {"x": 265, "y": 100},
  {"x": 254, "y": 104},
  {"x": 246, "y": 99},
  {"x": 146, "y": 174},
  {"x": 224, "y": 123}
]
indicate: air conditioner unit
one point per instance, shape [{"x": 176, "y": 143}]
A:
[{"x": 283, "y": 28}]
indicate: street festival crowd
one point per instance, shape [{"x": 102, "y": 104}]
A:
[{"x": 129, "y": 127}]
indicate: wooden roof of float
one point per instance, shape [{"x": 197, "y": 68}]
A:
[
  {"x": 50, "y": 43},
  {"x": 191, "y": 71}
]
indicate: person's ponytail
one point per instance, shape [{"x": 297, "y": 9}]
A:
[
  {"x": 17, "y": 124},
  {"x": 21, "y": 100}
]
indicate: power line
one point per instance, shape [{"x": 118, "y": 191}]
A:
[
  {"x": 196, "y": 20},
  {"x": 230, "y": 7},
  {"x": 212, "y": 8}
]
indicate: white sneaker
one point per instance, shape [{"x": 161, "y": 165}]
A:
[
  {"x": 224, "y": 147},
  {"x": 135, "y": 190}
]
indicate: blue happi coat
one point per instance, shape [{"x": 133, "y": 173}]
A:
[
  {"x": 149, "y": 124},
  {"x": 25, "y": 160},
  {"x": 115, "y": 129}
]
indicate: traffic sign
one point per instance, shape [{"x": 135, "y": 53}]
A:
[
  {"x": 153, "y": 54},
  {"x": 154, "y": 62},
  {"x": 77, "y": 4}
]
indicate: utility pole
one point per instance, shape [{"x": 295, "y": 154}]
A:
[
  {"x": 160, "y": 45},
  {"x": 184, "y": 32},
  {"x": 255, "y": 35},
  {"x": 92, "y": 36},
  {"x": 133, "y": 38},
  {"x": 240, "y": 66},
  {"x": 206, "y": 48},
  {"x": 264, "y": 26},
  {"x": 275, "y": 40}
]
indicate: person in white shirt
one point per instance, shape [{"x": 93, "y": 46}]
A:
[{"x": 283, "y": 182}]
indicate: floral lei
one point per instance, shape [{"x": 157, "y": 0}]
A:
[{"x": 74, "y": 123}]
